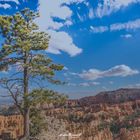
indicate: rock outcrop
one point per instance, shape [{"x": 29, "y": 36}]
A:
[
  {"x": 111, "y": 115},
  {"x": 12, "y": 126}
]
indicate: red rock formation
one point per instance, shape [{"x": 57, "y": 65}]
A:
[
  {"x": 13, "y": 125},
  {"x": 94, "y": 122}
]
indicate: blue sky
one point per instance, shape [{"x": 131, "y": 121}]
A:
[{"x": 97, "y": 41}]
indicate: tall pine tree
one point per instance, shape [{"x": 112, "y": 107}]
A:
[{"x": 24, "y": 52}]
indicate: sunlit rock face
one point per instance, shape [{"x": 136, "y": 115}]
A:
[
  {"x": 102, "y": 117},
  {"x": 12, "y": 125}
]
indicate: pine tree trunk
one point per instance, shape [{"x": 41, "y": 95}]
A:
[
  {"x": 26, "y": 102},
  {"x": 26, "y": 125}
]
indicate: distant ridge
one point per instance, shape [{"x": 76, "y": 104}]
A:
[{"x": 111, "y": 97}]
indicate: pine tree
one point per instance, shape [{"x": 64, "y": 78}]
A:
[{"x": 24, "y": 53}]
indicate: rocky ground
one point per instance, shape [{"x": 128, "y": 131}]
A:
[
  {"x": 54, "y": 128},
  {"x": 97, "y": 118}
]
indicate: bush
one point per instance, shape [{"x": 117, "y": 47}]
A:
[{"x": 37, "y": 122}]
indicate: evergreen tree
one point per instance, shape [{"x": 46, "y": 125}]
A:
[{"x": 24, "y": 52}]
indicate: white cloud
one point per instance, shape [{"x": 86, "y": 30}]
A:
[
  {"x": 99, "y": 29},
  {"x": 15, "y": 1},
  {"x": 130, "y": 25},
  {"x": 137, "y": 85},
  {"x": 88, "y": 84},
  {"x": 60, "y": 40},
  {"x": 49, "y": 10},
  {"x": 73, "y": 73},
  {"x": 84, "y": 84},
  {"x": 127, "y": 36},
  {"x": 5, "y": 6},
  {"x": 72, "y": 1},
  {"x": 65, "y": 68},
  {"x": 72, "y": 84},
  {"x": 68, "y": 23},
  {"x": 91, "y": 13},
  {"x": 107, "y": 7},
  {"x": 119, "y": 70}
]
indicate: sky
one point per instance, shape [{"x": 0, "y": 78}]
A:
[{"x": 96, "y": 40}]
